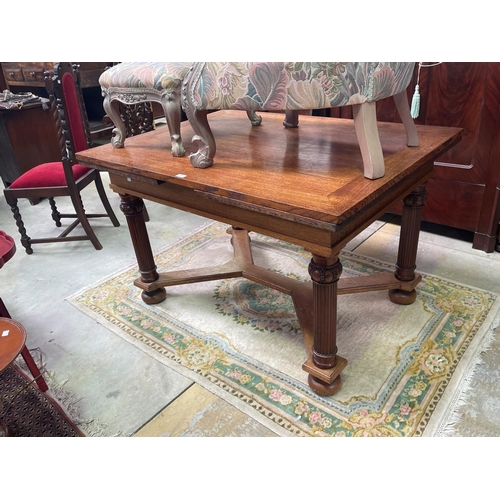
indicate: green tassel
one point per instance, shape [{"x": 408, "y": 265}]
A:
[{"x": 415, "y": 103}]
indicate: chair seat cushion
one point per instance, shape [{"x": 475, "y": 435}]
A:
[
  {"x": 159, "y": 76},
  {"x": 47, "y": 175}
]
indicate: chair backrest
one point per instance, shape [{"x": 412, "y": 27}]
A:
[{"x": 66, "y": 97}]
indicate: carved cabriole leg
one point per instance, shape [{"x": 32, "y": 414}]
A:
[
  {"x": 171, "y": 103},
  {"x": 401, "y": 101},
  {"x": 324, "y": 366},
  {"x": 408, "y": 244},
  {"x": 365, "y": 122},
  {"x": 204, "y": 157},
  {"x": 254, "y": 118},
  {"x": 132, "y": 208},
  {"x": 112, "y": 109},
  {"x": 291, "y": 118}
]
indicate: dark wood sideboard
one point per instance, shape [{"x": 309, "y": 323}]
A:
[
  {"x": 28, "y": 136},
  {"x": 29, "y": 77},
  {"x": 464, "y": 192}
]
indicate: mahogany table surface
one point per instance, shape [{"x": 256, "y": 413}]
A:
[
  {"x": 311, "y": 175},
  {"x": 12, "y": 340}
]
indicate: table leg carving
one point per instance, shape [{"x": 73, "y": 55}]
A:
[
  {"x": 324, "y": 366},
  {"x": 408, "y": 244},
  {"x": 132, "y": 207}
]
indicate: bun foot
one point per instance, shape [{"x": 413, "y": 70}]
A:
[
  {"x": 322, "y": 388},
  {"x": 403, "y": 297},
  {"x": 155, "y": 297}
]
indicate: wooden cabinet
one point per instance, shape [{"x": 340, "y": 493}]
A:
[
  {"x": 28, "y": 137},
  {"x": 29, "y": 77},
  {"x": 464, "y": 192}
]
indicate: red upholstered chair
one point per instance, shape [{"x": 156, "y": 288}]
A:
[{"x": 64, "y": 178}]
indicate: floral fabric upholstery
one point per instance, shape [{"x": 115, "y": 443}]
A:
[
  {"x": 147, "y": 75},
  {"x": 296, "y": 85}
]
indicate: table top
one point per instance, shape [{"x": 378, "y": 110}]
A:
[
  {"x": 12, "y": 340},
  {"x": 312, "y": 172}
]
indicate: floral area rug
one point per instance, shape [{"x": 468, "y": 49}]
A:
[{"x": 242, "y": 340}]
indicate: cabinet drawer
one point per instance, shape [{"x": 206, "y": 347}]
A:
[
  {"x": 33, "y": 74},
  {"x": 13, "y": 75}
]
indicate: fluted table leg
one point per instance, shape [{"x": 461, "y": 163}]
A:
[
  {"x": 408, "y": 244},
  {"x": 324, "y": 366},
  {"x": 132, "y": 207}
]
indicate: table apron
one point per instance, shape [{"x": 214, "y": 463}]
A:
[{"x": 320, "y": 239}]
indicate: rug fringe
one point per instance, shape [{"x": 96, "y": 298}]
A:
[
  {"x": 68, "y": 401},
  {"x": 462, "y": 395}
]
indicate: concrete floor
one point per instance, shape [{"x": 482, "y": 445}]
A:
[{"x": 123, "y": 391}]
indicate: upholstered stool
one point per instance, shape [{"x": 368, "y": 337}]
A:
[
  {"x": 294, "y": 86},
  {"x": 137, "y": 82}
]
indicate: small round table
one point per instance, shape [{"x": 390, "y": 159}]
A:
[
  {"x": 12, "y": 341},
  {"x": 12, "y": 333}
]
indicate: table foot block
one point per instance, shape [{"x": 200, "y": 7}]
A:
[
  {"x": 325, "y": 381},
  {"x": 403, "y": 297},
  {"x": 155, "y": 297}
]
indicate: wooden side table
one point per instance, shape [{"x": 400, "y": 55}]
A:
[
  {"x": 13, "y": 343},
  {"x": 12, "y": 333}
]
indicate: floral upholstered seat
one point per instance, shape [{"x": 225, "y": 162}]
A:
[
  {"x": 294, "y": 86},
  {"x": 138, "y": 82},
  {"x": 135, "y": 82}
]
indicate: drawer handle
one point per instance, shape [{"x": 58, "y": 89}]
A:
[
  {"x": 33, "y": 74},
  {"x": 11, "y": 74}
]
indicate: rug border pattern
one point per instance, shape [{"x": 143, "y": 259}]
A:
[{"x": 281, "y": 418}]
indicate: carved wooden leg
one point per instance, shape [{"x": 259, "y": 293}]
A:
[
  {"x": 80, "y": 212},
  {"x": 172, "y": 107},
  {"x": 365, "y": 122},
  {"x": 132, "y": 207},
  {"x": 56, "y": 216},
  {"x": 30, "y": 363},
  {"x": 401, "y": 101},
  {"x": 254, "y": 118},
  {"x": 408, "y": 244},
  {"x": 324, "y": 366},
  {"x": 291, "y": 118},
  {"x": 204, "y": 157},
  {"x": 112, "y": 109},
  {"x": 105, "y": 200},
  {"x": 25, "y": 239}
]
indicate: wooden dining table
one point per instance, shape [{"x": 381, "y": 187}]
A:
[{"x": 304, "y": 186}]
